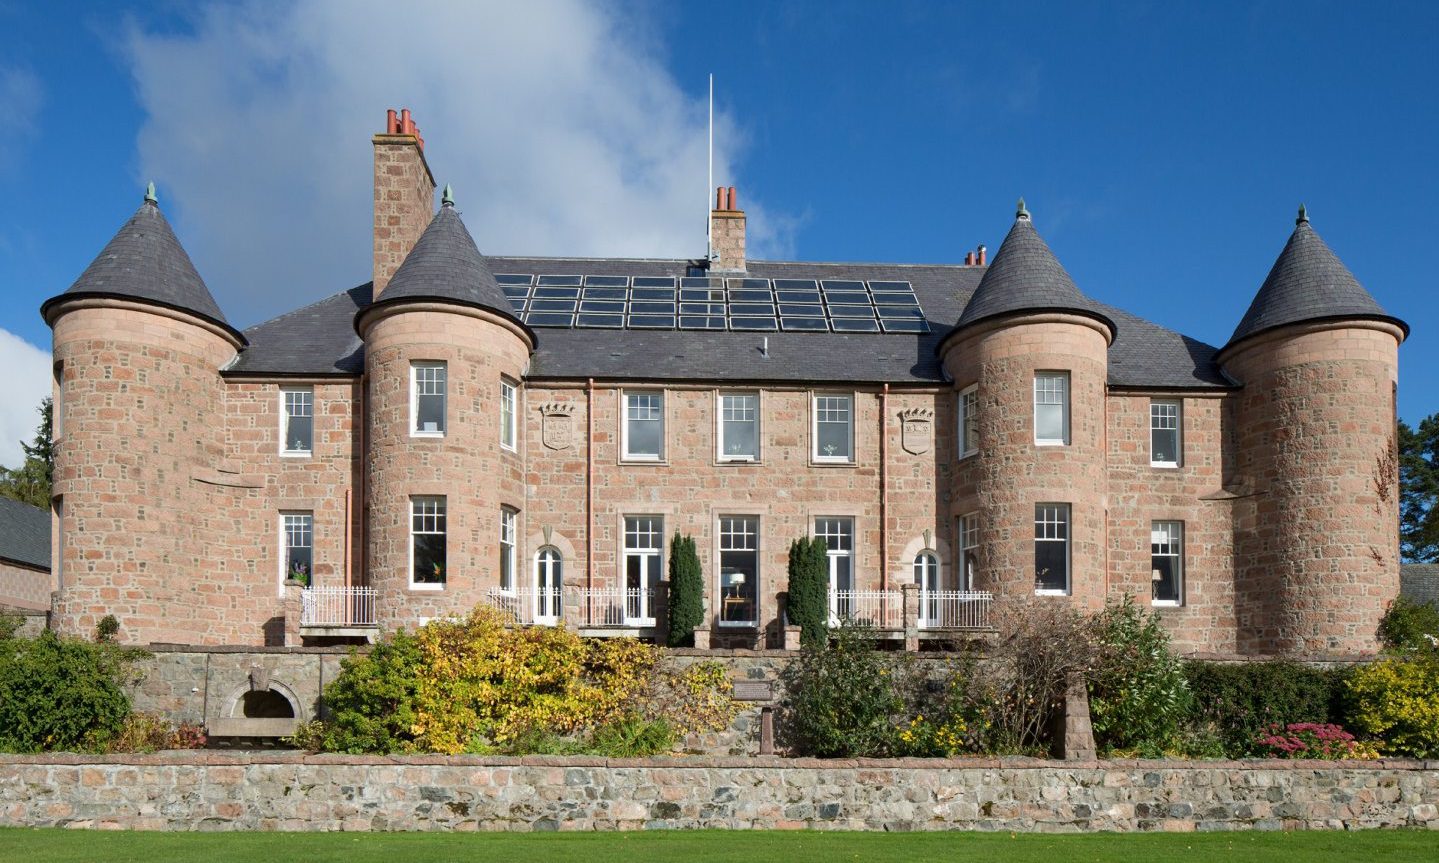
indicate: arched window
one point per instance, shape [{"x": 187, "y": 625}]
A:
[
  {"x": 549, "y": 585},
  {"x": 926, "y": 575}
]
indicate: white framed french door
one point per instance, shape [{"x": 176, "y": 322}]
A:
[
  {"x": 643, "y": 555},
  {"x": 838, "y": 536},
  {"x": 549, "y": 586}
]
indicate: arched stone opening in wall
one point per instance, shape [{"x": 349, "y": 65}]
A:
[{"x": 265, "y": 708}]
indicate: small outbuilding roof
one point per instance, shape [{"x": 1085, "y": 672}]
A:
[{"x": 24, "y": 534}]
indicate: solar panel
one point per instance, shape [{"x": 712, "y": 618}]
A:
[
  {"x": 517, "y": 304},
  {"x": 550, "y": 319},
  {"x": 797, "y": 310},
  {"x": 846, "y": 297},
  {"x": 808, "y": 325},
  {"x": 655, "y": 281},
  {"x": 851, "y": 325},
  {"x": 552, "y": 305},
  {"x": 600, "y": 320},
  {"x": 896, "y": 300},
  {"x": 607, "y": 294},
  {"x": 516, "y": 290},
  {"x": 798, "y": 296},
  {"x": 753, "y": 324},
  {"x": 851, "y": 311},
  {"x": 558, "y": 293},
  {"x": 795, "y": 285},
  {"x": 751, "y": 309},
  {"x": 514, "y": 279},
  {"x": 899, "y": 312},
  {"x": 751, "y": 296},
  {"x": 651, "y": 322},
  {"x": 638, "y": 307},
  {"x": 603, "y": 306},
  {"x": 607, "y": 281},
  {"x": 749, "y": 284},
  {"x": 699, "y": 282},
  {"x": 652, "y": 294},
  {"x": 701, "y": 295},
  {"x": 702, "y": 322},
  {"x": 568, "y": 281},
  {"x": 842, "y": 285}
]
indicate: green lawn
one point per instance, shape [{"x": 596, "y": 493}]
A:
[{"x": 44, "y": 846}]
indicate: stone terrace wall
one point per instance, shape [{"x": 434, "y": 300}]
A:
[{"x": 215, "y": 791}]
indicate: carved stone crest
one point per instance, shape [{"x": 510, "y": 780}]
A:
[
  {"x": 916, "y": 428},
  {"x": 557, "y": 425}
]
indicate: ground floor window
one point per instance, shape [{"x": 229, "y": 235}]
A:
[
  {"x": 1166, "y": 562},
  {"x": 508, "y": 517},
  {"x": 926, "y": 575},
  {"x": 644, "y": 544},
  {"x": 968, "y": 550},
  {"x": 298, "y": 537},
  {"x": 427, "y": 542},
  {"x": 739, "y": 570},
  {"x": 1051, "y": 548},
  {"x": 838, "y": 536},
  {"x": 549, "y": 585}
]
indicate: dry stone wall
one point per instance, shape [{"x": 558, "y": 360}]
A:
[{"x": 268, "y": 791}]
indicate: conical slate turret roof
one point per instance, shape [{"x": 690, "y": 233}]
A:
[
  {"x": 144, "y": 261},
  {"x": 1026, "y": 277},
  {"x": 445, "y": 265},
  {"x": 1308, "y": 283}
]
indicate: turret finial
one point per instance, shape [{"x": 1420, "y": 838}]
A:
[
  {"x": 150, "y": 194},
  {"x": 1303, "y": 215},
  {"x": 1021, "y": 212},
  {"x": 448, "y": 198}
]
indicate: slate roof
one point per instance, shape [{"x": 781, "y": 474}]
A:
[
  {"x": 1026, "y": 277},
  {"x": 446, "y": 265},
  {"x": 24, "y": 534},
  {"x": 144, "y": 261},
  {"x": 1420, "y": 582},
  {"x": 1308, "y": 282},
  {"x": 319, "y": 340}
]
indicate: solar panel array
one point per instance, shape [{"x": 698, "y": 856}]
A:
[{"x": 711, "y": 303}]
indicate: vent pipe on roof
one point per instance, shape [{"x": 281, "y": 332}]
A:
[
  {"x": 980, "y": 255},
  {"x": 764, "y": 347}
]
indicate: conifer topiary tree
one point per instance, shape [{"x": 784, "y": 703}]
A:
[
  {"x": 808, "y": 589},
  {"x": 687, "y": 601}
]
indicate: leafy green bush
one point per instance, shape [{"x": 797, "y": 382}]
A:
[
  {"x": 1408, "y": 625},
  {"x": 632, "y": 737},
  {"x": 845, "y": 698},
  {"x": 372, "y": 702},
  {"x": 687, "y": 601},
  {"x": 62, "y": 694},
  {"x": 1240, "y": 702},
  {"x": 1396, "y": 702},
  {"x": 809, "y": 590},
  {"x": 9, "y": 625},
  {"x": 1138, "y": 697}
]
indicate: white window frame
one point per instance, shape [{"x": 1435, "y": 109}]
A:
[
  {"x": 442, "y": 512},
  {"x": 1177, "y": 428},
  {"x": 967, "y": 534},
  {"x": 509, "y": 415},
  {"x": 928, "y": 575},
  {"x": 444, "y": 394},
  {"x": 815, "y": 410},
  {"x": 625, "y": 396},
  {"x": 1048, "y": 518},
  {"x": 1042, "y": 379},
  {"x": 289, "y": 519},
  {"x": 509, "y": 531},
  {"x": 1173, "y": 546},
  {"x": 728, "y": 535},
  {"x": 721, "y": 415},
  {"x": 285, "y": 416},
  {"x": 549, "y": 585},
  {"x": 968, "y": 413},
  {"x": 642, "y": 611}
]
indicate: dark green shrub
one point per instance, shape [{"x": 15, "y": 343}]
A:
[
  {"x": 809, "y": 590},
  {"x": 372, "y": 703},
  {"x": 107, "y": 628},
  {"x": 1241, "y": 701},
  {"x": 1138, "y": 697},
  {"x": 845, "y": 698},
  {"x": 62, "y": 694},
  {"x": 1408, "y": 625},
  {"x": 632, "y": 737},
  {"x": 10, "y": 624},
  {"x": 687, "y": 602}
]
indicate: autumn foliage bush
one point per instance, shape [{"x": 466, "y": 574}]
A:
[{"x": 474, "y": 685}]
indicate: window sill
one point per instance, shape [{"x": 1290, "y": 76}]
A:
[
  {"x": 297, "y": 453},
  {"x": 1039, "y": 592},
  {"x": 738, "y": 624},
  {"x": 642, "y": 460},
  {"x": 971, "y": 454},
  {"x": 738, "y": 459},
  {"x": 1051, "y": 443},
  {"x": 1166, "y": 603},
  {"x": 420, "y": 434},
  {"x": 427, "y": 588},
  {"x": 1165, "y": 465},
  {"x": 821, "y": 461}
]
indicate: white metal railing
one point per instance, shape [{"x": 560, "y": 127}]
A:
[
  {"x": 882, "y": 609},
  {"x": 337, "y": 606},
  {"x": 529, "y": 606},
  {"x": 618, "y": 606},
  {"x": 955, "y": 609}
]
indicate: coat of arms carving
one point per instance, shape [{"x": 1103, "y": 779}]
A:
[
  {"x": 557, "y": 425},
  {"x": 917, "y": 425}
]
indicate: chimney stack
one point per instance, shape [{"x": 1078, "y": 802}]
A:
[
  {"x": 727, "y": 232},
  {"x": 979, "y": 255},
  {"x": 404, "y": 194}
]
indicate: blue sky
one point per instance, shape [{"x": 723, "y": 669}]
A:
[{"x": 1162, "y": 147}]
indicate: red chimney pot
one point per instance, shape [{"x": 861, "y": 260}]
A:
[
  {"x": 392, "y": 125},
  {"x": 733, "y": 199}
]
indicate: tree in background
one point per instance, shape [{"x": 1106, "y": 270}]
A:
[
  {"x": 1419, "y": 491},
  {"x": 687, "y": 601},
  {"x": 30, "y": 482},
  {"x": 808, "y": 606}
]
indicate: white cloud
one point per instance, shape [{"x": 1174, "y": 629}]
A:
[
  {"x": 24, "y": 384},
  {"x": 22, "y": 96},
  {"x": 556, "y": 121}
]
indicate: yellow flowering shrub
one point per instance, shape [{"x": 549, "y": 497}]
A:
[{"x": 1396, "y": 702}]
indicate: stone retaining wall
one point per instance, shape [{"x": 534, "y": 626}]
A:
[{"x": 279, "y": 791}]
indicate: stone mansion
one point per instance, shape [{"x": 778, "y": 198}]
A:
[{"x": 532, "y": 432}]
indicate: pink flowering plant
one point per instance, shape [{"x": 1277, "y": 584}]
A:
[{"x": 1318, "y": 740}]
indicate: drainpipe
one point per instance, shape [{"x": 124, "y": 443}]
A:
[
  {"x": 883, "y": 489},
  {"x": 589, "y": 491},
  {"x": 349, "y": 538},
  {"x": 362, "y": 416}
]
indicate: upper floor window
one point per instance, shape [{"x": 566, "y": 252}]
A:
[
  {"x": 739, "y": 570},
  {"x": 57, "y": 404},
  {"x": 738, "y": 426},
  {"x": 968, "y": 550},
  {"x": 1051, "y": 548},
  {"x": 427, "y": 543},
  {"x": 297, "y": 537},
  {"x": 643, "y": 430},
  {"x": 508, "y": 430},
  {"x": 428, "y": 384},
  {"x": 297, "y": 420},
  {"x": 1164, "y": 423},
  {"x": 1166, "y": 548},
  {"x": 508, "y": 518},
  {"x": 1051, "y": 408},
  {"x": 968, "y": 424},
  {"x": 833, "y": 431}
]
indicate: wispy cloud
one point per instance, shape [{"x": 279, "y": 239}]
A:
[
  {"x": 560, "y": 128},
  {"x": 22, "y": 96},
  {"x": 24, "y": 384}
]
